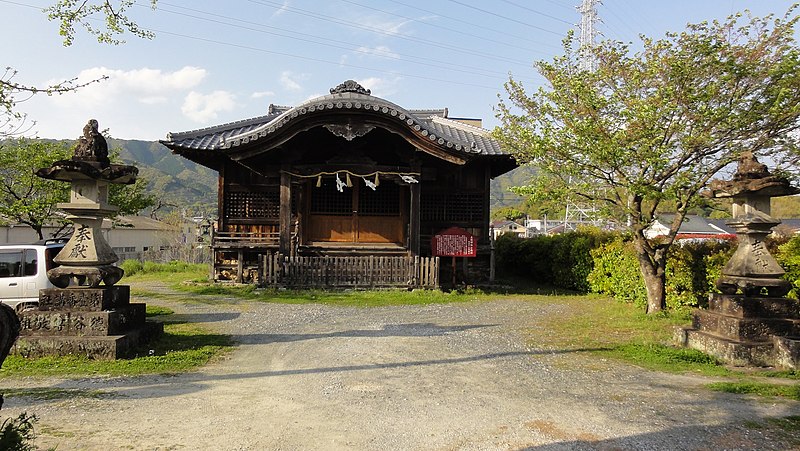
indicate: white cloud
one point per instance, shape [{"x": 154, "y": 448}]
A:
[
  {"x": 261, "y": 94},
  {"x": 380, "y": 87},
  {"x": 204, "y": 107},
  {"x": 383, "y": 26},
  {"x": 312, "y": 96},
  {"x": 381, "y": 51},
  {"x": 283, "y": 8},
  {"x": 145, "y": 85},
  {"x": 290, "y": 81},
  {"x": 154, "y": 100}
]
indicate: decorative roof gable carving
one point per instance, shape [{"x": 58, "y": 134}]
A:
[
  {"x": 350, "y": 86},
  {"x": 349, "y": 131}
]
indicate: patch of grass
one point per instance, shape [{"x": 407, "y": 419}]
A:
[
  {"x": 155, "y": 310},
  {"x": 183, "y": 347},
  {"x": 350, "y": 298},
  {"x": 790, "y": 374},
  {"x": 600, "y": 322},
  {"x": 624, "y": 332},
  {"x": 50, "y": 394},
  {"x": 173, "y": 279},
  {"x": 759, "y": 389},
  {"x": 670, "y": 359}
]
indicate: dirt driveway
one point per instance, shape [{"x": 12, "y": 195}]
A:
[{"x": 439, "y": 377}]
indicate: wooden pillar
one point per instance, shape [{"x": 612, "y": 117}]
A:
[
  {"x": 240, "y": 267},
  {"x": 487, "y": 199},
  {"x": 414, "y": 218},
  {"x": 285, "y": 244}
]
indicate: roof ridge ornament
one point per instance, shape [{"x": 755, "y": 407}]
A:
[{"x": 350, "y": 86}]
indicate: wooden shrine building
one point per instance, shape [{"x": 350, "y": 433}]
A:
[{"x": 346, "y": 189}]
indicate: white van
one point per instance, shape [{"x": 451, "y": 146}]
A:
[{"x": 23, "y": 272}]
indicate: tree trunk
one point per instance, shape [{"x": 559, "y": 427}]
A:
[
  {"x": 655, "y": 281},
  {"x": 653, "y": 265}
]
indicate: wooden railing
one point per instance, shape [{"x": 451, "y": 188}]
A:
[
  {"x": 275, "y": 269},
  {"x": 246, "y": 239}
]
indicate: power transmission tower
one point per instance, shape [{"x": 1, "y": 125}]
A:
[{"x": 588, "y": 10}]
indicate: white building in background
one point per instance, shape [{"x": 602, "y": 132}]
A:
[
  {"x": 693, "y": 227},
  {"x": 128, "y": 236},
  {"x": 508, "y": 227}
]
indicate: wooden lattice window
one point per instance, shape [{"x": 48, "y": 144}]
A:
[
  {"x": 248, "y": 205},
  {"x": 327, "y": 200},
  {"x": 452, "y": 207},
  {"x": 384, "y": 201}
]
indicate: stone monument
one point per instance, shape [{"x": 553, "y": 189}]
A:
[
  {"x": 750, "y": 322},
  {"x": 82, "y": 316}
]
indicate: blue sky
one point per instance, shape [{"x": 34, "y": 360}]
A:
[{"x": 213, "y": 62}]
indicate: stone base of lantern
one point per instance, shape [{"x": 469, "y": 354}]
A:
[
  {"x": 739, "y": 330},
  {"x": 62, "y": 276},
  {"x": 99, "y": 323}
]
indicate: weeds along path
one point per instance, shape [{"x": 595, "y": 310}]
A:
[{"x": 465, "y": 376}]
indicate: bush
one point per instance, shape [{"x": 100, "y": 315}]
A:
[
  {"x": 563, "y": 261},
  {"x": 603, "y": 262},
  {"x": 788, "y": 256},
  {"x": 16, "y": 434},
  {"x": 616, "y": 273},
  {"x": 692, "y": 270},
  {"x": 131, "y": 267}
]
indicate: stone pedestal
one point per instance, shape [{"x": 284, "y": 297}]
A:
[
  {"x": 742, "y": 330},
  {"x": 100, "y": 323}
]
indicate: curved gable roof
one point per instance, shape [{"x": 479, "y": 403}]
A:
[{"x": 429, "y": 127}]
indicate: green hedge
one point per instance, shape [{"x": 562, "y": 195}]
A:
[
  {"x": 606, "y": 263},
  {"x": 692, "y": 269},
  {"x": 563, "y": 261}
]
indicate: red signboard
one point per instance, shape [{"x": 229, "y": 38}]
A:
[{"x": 454, "y": 242}]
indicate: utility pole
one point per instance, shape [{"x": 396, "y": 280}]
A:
[
  {"x": 588, "y": 10},
  {"x": 575, "y": 214}
]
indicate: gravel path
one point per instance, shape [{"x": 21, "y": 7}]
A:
[{"x": 439, "y": 377}]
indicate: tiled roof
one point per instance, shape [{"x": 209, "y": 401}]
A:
[
  {"x": 430, "y": 123},
  {"x": 477, "y": 139}
]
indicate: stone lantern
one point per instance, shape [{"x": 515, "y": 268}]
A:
[
  {"x": 750, "y": 323},
  {"x": 752, "y": 269},
  {"x": 81, "y": 316}
]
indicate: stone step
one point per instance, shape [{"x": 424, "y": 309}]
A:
[
  {"x": 741, "y": 307},
  {"x": 82, "y": 323},
  {"x": 787, "y": 352},
  {"x": 84, "y": 299},
  {"x": 93, "y": 347},
  {"x": 740, "y": 353},
  {"x": 753, "y": 329}
]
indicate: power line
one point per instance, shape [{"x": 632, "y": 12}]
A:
[
  {"x": 331, "y": 19},
  {"x": 475, "y": 25},
  {"x": 318, "y": 60},
  {"x": 320, "y": 40},
  {"x": 537, "y": 12},
  {"x": 506, "y": 18},
  {"x": 453, "y": 30}
]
